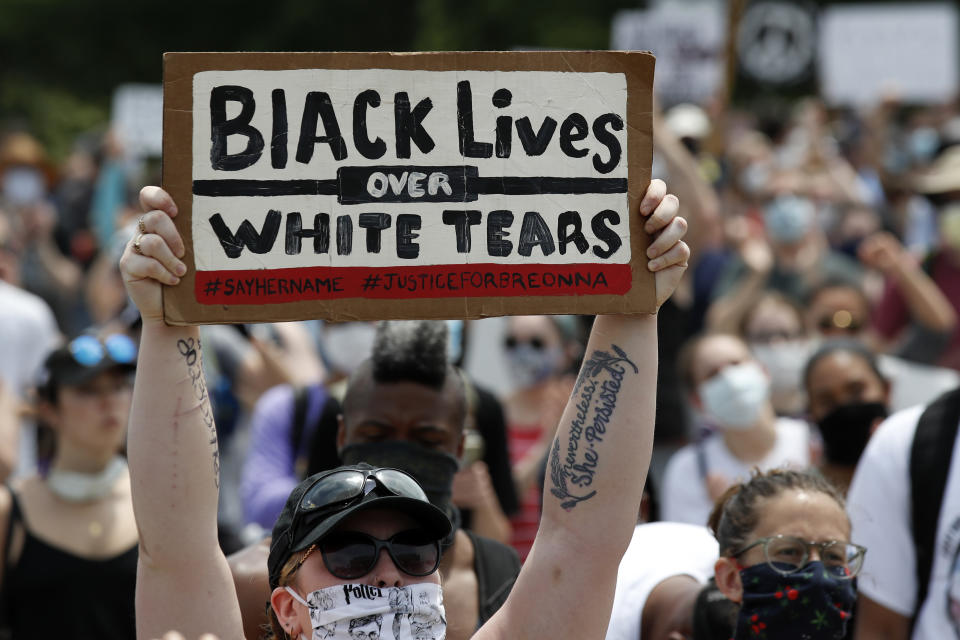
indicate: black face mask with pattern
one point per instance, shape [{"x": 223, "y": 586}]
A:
[
  {"x": 846, "y": 430},
  {"x": 812, "y": 603}
]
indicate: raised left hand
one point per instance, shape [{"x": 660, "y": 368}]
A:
[{"x": 668, "y": 253}]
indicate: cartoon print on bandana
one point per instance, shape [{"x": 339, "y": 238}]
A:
[
  {"x": 428, "y": 626},
  {"x": 323, "y": 601},
  {"x": 401, "y": 600},
  {"x": 366, "y": 627}
]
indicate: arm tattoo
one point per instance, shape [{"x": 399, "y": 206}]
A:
[
  {"x": 595, "y": 394},
  {"x": 190, "y": 351}
]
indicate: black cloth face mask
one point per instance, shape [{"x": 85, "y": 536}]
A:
[
  {"x": 433, "y": 470},
  {"x": 846, "y": 430}
]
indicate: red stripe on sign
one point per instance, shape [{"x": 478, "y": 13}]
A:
[{"x": 271, "y": 286}]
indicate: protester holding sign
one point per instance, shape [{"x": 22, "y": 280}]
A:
[{"x": 184, "y": 580}]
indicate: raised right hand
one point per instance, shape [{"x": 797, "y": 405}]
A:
[{"x": 157, "y": 260}]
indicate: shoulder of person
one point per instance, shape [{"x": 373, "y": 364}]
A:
[
  {"x": 683, "y": 459},
  {"x": 895, "y": 434},
  {"x": 679, "y": 535},
  {"x": 793, "y": 427}
]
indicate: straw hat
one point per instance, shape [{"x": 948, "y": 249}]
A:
[
  {"x": 22, "y": 150},
  {"x": 944, "y": 175}
]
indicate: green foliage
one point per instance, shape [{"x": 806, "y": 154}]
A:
[{"x": 62, "y": 59}]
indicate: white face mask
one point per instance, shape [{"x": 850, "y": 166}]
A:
[
  {"x": 362, "y": 612},
  {"x": 23, "y": 185},
  {"x": 784, "y": 362},
  {"x": 736, "y": 396}
]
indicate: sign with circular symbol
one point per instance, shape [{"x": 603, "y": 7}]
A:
[{"x": 776, "y": 41}]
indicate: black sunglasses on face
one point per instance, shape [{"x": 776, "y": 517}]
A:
[
  {"x": 512, "y": 342},
  {"x": 349, "y": 555}
]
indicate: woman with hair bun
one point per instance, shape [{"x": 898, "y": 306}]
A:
[{"x": 785, "y": 556}]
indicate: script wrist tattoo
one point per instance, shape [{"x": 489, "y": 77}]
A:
[
  {"x": 572, "y": 470},
  {"x": 189, "y": 349}
]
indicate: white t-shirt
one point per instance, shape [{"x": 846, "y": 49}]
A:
[
  {"x": 658, "y": 551},
  {"x": 28, "y": 333},
  {"x": 912, "y": 383},
  {"x": 879, "y": 508},
  {"x": 684, "y": 497}
]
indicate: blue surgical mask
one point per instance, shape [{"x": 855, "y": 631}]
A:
[
  {"x": 788, "y": 219},
  {"x": 923, "y": 144},
  {"x": 23, "y": 186}
]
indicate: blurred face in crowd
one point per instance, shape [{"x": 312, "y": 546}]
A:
[
  {"x": 842, "y": 378},
  {"x": 773, "y": 321},
  {"x": 406, "y": 411},
  {"x": 774, "y": 331},
  {"x": 731, "y": 387},
  {"x": 840, "y": 311},
  {"x": 93, "y": 415},
  {"x": 716, "y": 353},
  {"x": 535, "y": 350}
]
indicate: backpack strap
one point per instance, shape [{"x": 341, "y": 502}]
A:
[
  {"x": 930, "y": 457},
  {"x": 301, "y": 398},
  {"x": 497, "y": 566}
]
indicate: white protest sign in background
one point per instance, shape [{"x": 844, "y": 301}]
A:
[
  {"x": 908, "y": 49},
  {"x": 137, "y": 118},
  {"x": 332, "y": 170},
  {"x": 688, "y": 41}
]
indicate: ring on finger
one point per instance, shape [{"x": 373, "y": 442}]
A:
[
  {"x": 141, "y": 225},
  {"x": 136, "y": 244}
]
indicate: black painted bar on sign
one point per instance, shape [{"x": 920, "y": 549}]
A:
[{"x": 360, "y": 185}]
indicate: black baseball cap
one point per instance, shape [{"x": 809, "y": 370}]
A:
[
  {"x": 319, "y": 503},
  {"x": 86, "y": 357}
]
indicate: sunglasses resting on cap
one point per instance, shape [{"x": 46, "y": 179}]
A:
[{"x": 322, "y": 501}]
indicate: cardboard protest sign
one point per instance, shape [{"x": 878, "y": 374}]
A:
[{"x": 354, "y": 186}]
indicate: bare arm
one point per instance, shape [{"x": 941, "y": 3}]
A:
[
  {"x": 701, "y": 206},
  {"x": 875, "y": 622},
  {"x": 598, "y": 464},
  {"x": 9, "y": 431},
  {"x": 928, "y": 305},
  {"x": 183, "y": 580}
]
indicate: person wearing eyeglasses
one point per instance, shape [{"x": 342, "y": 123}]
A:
[
  {"x": 786, "y": 557},
  {"x": 338, "y": 543},
  {"x": 69, "y": 536}
]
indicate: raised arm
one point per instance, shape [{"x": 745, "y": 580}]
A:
[
  {"x": 598, "y": 463},
  {"x": 183, "y": 580}
]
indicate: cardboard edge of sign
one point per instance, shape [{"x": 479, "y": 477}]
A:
[{"x": 179, "y": 304}]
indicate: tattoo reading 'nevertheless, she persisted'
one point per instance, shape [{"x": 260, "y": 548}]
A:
[
  {"x": 595, "y": 394},
  {"x": 190, "y": 350}
]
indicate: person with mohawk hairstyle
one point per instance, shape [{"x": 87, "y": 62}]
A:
[{"x": 405, "y": 408}]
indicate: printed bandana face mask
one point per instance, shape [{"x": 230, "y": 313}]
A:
[{"x": 363, "y": 612}]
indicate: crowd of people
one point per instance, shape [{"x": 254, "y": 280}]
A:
[{"x": 346, "y": 480}]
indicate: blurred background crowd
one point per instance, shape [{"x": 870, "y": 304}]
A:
[{"x": 819, "y": 170}]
